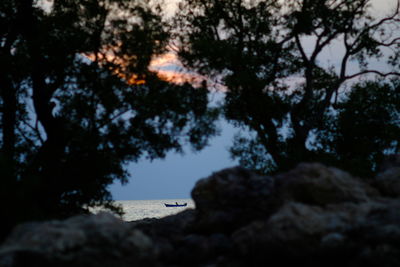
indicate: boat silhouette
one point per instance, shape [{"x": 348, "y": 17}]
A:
[{"x": 175, "y": 205}]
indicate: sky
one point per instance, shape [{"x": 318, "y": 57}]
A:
[{"x": 175, "y": 176}]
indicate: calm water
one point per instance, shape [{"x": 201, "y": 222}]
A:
[{"x": 140, "y": 209}]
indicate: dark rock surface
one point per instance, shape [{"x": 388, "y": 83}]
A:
[
  {"x": 313, "y": 215},
  {"x": 96, "y": 240},
  {"x": 315, "y": 184},
  {"x": 388, "y": 182},
  {"x": 230, "y": 198}
]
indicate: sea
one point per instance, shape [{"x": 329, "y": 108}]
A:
[{"x": 141, "y": 209}]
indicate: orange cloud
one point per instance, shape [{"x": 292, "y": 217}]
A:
[
  {"x": 164, "y": 60},
  {"x": 134, "y": 79},
  {"x": 177, "y": 74},
  {"x": 107, "y": 55},
  {"x": 179, "y": 77},
  {"x": 166, "y": 66}
]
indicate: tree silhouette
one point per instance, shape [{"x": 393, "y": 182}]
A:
[
  {"x": 290, "y": 99},
  {"x": 77, "y": 103},
  {"x": 365, "y": 128}
]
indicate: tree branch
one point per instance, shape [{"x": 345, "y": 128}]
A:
[
  {"x": 116, "y": 116},
  {"x": 301, "y": 49},
  {"x": 393, "y": 42},
  {"x": 373, "y": 72},
  {"x": 27, "y": 139},
  {"x": 392, "y": 17},
  {"x": 35, "y": 129},
  {"x": 319, "y": 46}
]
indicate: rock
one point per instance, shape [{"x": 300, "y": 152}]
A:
[
  {"x": 389, "y": 161},
  {"x": 169, "y": 226},
  {"x": 333, "y": 239},
  {"x": 298, "y": 221},
  {"x": 295, "y": 228},
  {"x": 348, "y": 234},
  {"x": 95, "y": 240},
  {"x": 206, "y": 247},
  {"x": 175, "y": 244},
  {"x": 313, "y": 215},
  {"x": 228, "y": 198},
  {"x": 166, "y": 232},
  {"x": 316, "y": 184},
  {"x": 388, "y": 182}
]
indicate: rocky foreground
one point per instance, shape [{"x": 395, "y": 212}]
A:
[{"x": 313, "y": 215}]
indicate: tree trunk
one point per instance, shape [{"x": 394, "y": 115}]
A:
[
  {"x": 8, "y": 120},
  {"x": 46, "y": 167}
]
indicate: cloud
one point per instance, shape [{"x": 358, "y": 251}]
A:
[
  {"x": 165, "y": 60},
  {"x": 169, "y": 68},
  {"x": 166, "y": 66}
]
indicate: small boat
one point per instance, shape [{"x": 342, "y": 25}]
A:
[{"x": 175, "y": 205}]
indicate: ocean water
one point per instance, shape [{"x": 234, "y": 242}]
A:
[{"x": 140, "y": 209}]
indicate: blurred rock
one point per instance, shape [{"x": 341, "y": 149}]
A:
[
  {"x": 388, "y": 182},
  {"x": 345, "y": 234},
  {"x": 313, "y": 215},
  {"x": 230, "y": 198},
  {"x": 390, "y": 161},
  {"x": 95, "y": 240},
  {"x": 316, "y": 184}
]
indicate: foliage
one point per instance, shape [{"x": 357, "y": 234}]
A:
[
  {"x": 77, "y": 103},
  {"x": 271, "y": 56},
  {"x": 367, "y": 121}
]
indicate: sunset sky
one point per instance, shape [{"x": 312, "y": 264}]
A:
[{"x": 175, "y": 176}]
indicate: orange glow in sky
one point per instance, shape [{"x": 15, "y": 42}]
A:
[
  {"x": 165, "y": 60},
  {"x": 166, "y": 66},
  {"x": 169, "y": 68}
]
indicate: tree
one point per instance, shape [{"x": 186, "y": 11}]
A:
[
  {"x": 280, "y": 88},
  {"x": 78, "y": 102},
  {"x": 367, "y": 121}
]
